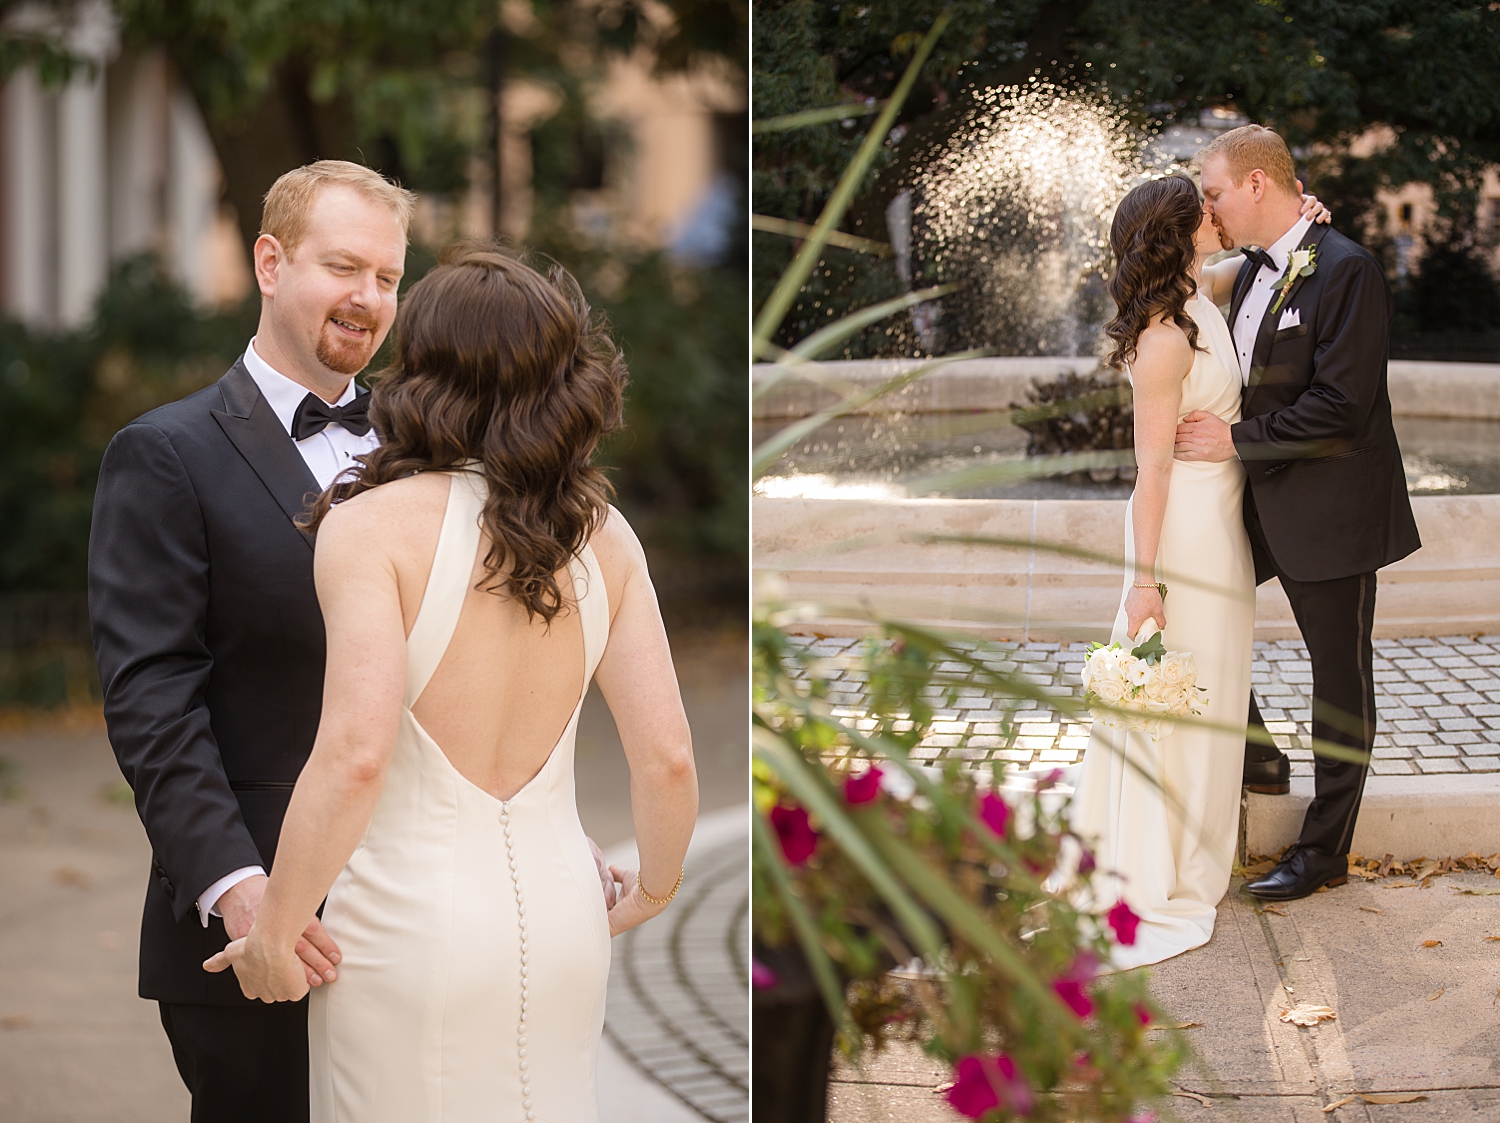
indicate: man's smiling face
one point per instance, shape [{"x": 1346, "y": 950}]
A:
[{"x": 334, "y": 296}]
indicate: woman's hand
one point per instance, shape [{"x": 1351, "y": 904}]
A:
[
  {"x": 1143, "y": 604},
  {"x": 1315, "y": 210},
  {"x": 630, "y": 908},
  {"x": 269, "y": 974}
]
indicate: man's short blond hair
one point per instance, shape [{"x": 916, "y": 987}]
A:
[
  {"x": 1250, "y": 147},
  {"x": 288, "y": 205}
]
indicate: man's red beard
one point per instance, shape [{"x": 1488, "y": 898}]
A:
[{"x": 341, "y": 354}]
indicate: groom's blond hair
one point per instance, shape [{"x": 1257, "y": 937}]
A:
[
  {"x": 288, "y": 205},
  {"x": 1250, "y": 147}
]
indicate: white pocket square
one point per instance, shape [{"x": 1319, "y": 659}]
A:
[{"x": 1290, "y": 318}]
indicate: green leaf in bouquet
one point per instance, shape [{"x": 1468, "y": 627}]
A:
[{"x": 1151, "y": 651}]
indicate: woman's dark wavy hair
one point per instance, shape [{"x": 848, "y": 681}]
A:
[
  {"x": 497, "y": 363},
  {"x": 1152, "y": 240}
]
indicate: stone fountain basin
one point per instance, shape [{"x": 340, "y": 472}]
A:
[{"x": 848, "y": 559}]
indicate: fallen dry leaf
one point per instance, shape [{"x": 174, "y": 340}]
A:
[
  {"x": 1477, "y": 892},
  {"x": 1306, "y": 1014},
  {"x": 1336, "y": 1104},
  {"x": 1189, "y": 1025},
  {"x": 1408, "y": 885},
  {"x": 1432, "y": 943},
  {"x": 1492, "y": 939},
  {"x": 1385, "y": 864},
  {"x": 1367, "y": 908},
  {"x": 945, "y": 1086},
  {"x": 1390, "y": 1097},
  {"x": 1276, "y": 910},
  {"x": 1435, "y": 995},
  {"x": 15, "y": 1021},
  {"x": 1364, "y": 873}
]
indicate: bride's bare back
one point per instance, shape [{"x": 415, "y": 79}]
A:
[{"x": 507, "y": 686}]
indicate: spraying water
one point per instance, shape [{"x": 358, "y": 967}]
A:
[{"x": 1016, "y": 210}]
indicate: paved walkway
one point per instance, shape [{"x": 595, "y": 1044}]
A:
[
  {"x": 1412, "y": 1020},
  {"x": 78, "y": 1046},
  {"x": 1438, "y": 702}
]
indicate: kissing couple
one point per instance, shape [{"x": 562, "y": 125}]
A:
[
  {"x": 1265, "y": 448},
  {"x": 345, "y": 637}
]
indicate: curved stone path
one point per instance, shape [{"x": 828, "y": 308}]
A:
[{"x": 678, "y": 1007}]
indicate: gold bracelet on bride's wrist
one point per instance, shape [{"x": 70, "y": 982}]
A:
[{"x": 660, "y": 900}]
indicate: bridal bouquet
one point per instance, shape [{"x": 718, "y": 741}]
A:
[{"x": 1150, "y": 682}]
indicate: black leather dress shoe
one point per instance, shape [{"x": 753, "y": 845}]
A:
[
  {"x": 1269, "y": 777},
  {"x": 1301, "y": 873}
]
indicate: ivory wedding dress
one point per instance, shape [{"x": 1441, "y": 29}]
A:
[
  {"x": 1172, "y": 863},
  {"x": 473, "y": 930}
]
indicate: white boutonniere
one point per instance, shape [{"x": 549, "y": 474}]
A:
[{"x": 1303, "y": 263}]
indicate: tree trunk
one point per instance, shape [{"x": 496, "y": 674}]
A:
[{"x": 285, "y": 129}]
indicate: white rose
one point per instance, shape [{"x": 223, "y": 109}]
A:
[
  {"x": 1110, "y": 691},
  {"x": 1156, "y": 688},
  {"x": 1176, "y": 668},
  {"x": 1138, "y": 672}
]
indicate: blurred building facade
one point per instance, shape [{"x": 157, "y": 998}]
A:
[{"x": 118, "y": 162}]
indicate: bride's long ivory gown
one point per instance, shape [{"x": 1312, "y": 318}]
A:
[
  {"x": 1171, "y": 856},
  {"x": 473, "y": 930}
]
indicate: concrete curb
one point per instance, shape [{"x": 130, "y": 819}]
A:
[{"x": 1408, "y": 816}]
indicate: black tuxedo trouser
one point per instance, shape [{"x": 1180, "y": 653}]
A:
[
  {"x": 243, "y": 1064},
  {"x": 1336, "y": 619}
]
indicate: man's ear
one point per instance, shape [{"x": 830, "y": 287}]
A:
[
  {"x": 268, "y": 259},
  {"x": 1257, "y": 180}
]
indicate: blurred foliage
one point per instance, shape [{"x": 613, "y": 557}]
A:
[{"x": 1420, "y": 72}]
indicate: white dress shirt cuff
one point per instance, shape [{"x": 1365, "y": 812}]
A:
[{"x": 208, "y": 902}]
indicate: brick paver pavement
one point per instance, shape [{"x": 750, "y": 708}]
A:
[{"x": 1438, "y": 702}]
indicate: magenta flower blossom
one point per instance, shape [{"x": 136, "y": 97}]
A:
[
  {"x": 798, "y": 839},
  {"x": 1142, "y": 1014},
  {"x": 761, "y": 976},
  {"x": 1124, "y": 922},
  {"x": 1087, "y": 863},
  {"x": 1071, "y": 985},
  {"x": 981, "y": 1084},
  {"x": 864, "y": 787},
  {"x": 995, "y": 812}
]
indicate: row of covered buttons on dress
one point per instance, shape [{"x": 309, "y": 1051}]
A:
[{"x": 515, "y": 880}]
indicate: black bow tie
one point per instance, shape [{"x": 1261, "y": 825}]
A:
[
  {"x": 314, "y": 415},
  {"x": 1261, "y": 258}
]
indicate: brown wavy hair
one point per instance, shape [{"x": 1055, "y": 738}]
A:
[
  {"x": 1152, "y": 240},
  {"x": 497, "y": 363}
]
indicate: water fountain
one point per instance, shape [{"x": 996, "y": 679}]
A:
[{"x": 1015, "y": 209}]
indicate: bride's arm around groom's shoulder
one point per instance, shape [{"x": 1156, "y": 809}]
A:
[{"x": 639, "y": 682}]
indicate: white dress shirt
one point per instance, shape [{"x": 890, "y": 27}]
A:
[
  {"x": 327, "y": 455},
  {"x": 1253, "y": 309}
]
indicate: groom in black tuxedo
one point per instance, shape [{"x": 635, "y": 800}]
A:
[
  {"x": 1325, "y": 502},
  {"x": 207, "y": 628}
]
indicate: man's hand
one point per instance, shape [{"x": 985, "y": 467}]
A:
[
  {"x": 1204, "y": 436},
  {"x": 316, "y": 948},
  {"x": 606, "y": 879}
]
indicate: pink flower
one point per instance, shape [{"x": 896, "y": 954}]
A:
[
  {"x": 864, "y": 787},
  {"x": 798, "y": 839},
  {"x": 1049, "y": 781},
  {"x": 1124, "y": 922},
  {"x": 1070, "y": 985},
  {"x": 1142, "y": 1014},
  {"x": 761, "y": 976},
  {"x": 995, "y": 812},
  {"x": 981, "y": 1084},
  {"x": 1087, "y": 863}
]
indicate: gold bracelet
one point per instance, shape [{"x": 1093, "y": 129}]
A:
[{"x": 667, "y": 900}]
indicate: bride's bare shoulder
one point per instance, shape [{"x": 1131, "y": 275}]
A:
[
  {"x": 621, "y": 557},
  {"x": 1163, "y": 346},
  {"x": 388, "y": 514}
]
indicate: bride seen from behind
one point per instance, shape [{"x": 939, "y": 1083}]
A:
[{"x": 473, "y": 579}]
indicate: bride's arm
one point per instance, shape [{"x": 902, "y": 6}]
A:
[
  {"x": 1163, "y": 359},
  {"x": 338, "y": 789},
  {"x": 639, "y": 683},
  {"x": 1218, "y": 278}
]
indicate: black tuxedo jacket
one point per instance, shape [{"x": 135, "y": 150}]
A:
[
  {"x": 210, "y": 646},
  {"x": 1315, "y": 434}
]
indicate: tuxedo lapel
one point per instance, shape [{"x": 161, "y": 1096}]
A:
[
  {"x": 248, "y": 422},
  {"x": 1260, "y": 355}
]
